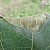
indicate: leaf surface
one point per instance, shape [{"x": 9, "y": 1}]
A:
[
  {"x": 18, "y": 38},
  {"x": 14, "y": 37},
  {"x": 42, "y": 38}
]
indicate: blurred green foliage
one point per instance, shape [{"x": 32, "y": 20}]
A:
[{"x": 26, "y": 8}]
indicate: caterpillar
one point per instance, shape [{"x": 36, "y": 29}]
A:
[{"x": 31, "y": 23}]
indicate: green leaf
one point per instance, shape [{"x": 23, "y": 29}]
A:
[
  {"x": 14, "y": 37},
  {"x": 42, "y": 38},
  {"x": 18, "y": 38}
]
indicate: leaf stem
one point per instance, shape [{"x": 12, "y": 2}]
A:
[{"x": 32, "y": 41}]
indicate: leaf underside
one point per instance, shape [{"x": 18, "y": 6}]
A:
[
  {"x": 14, "y": 37},
  {"x": 18, "y": 38},
  {"x": 42, "y": 38}
]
